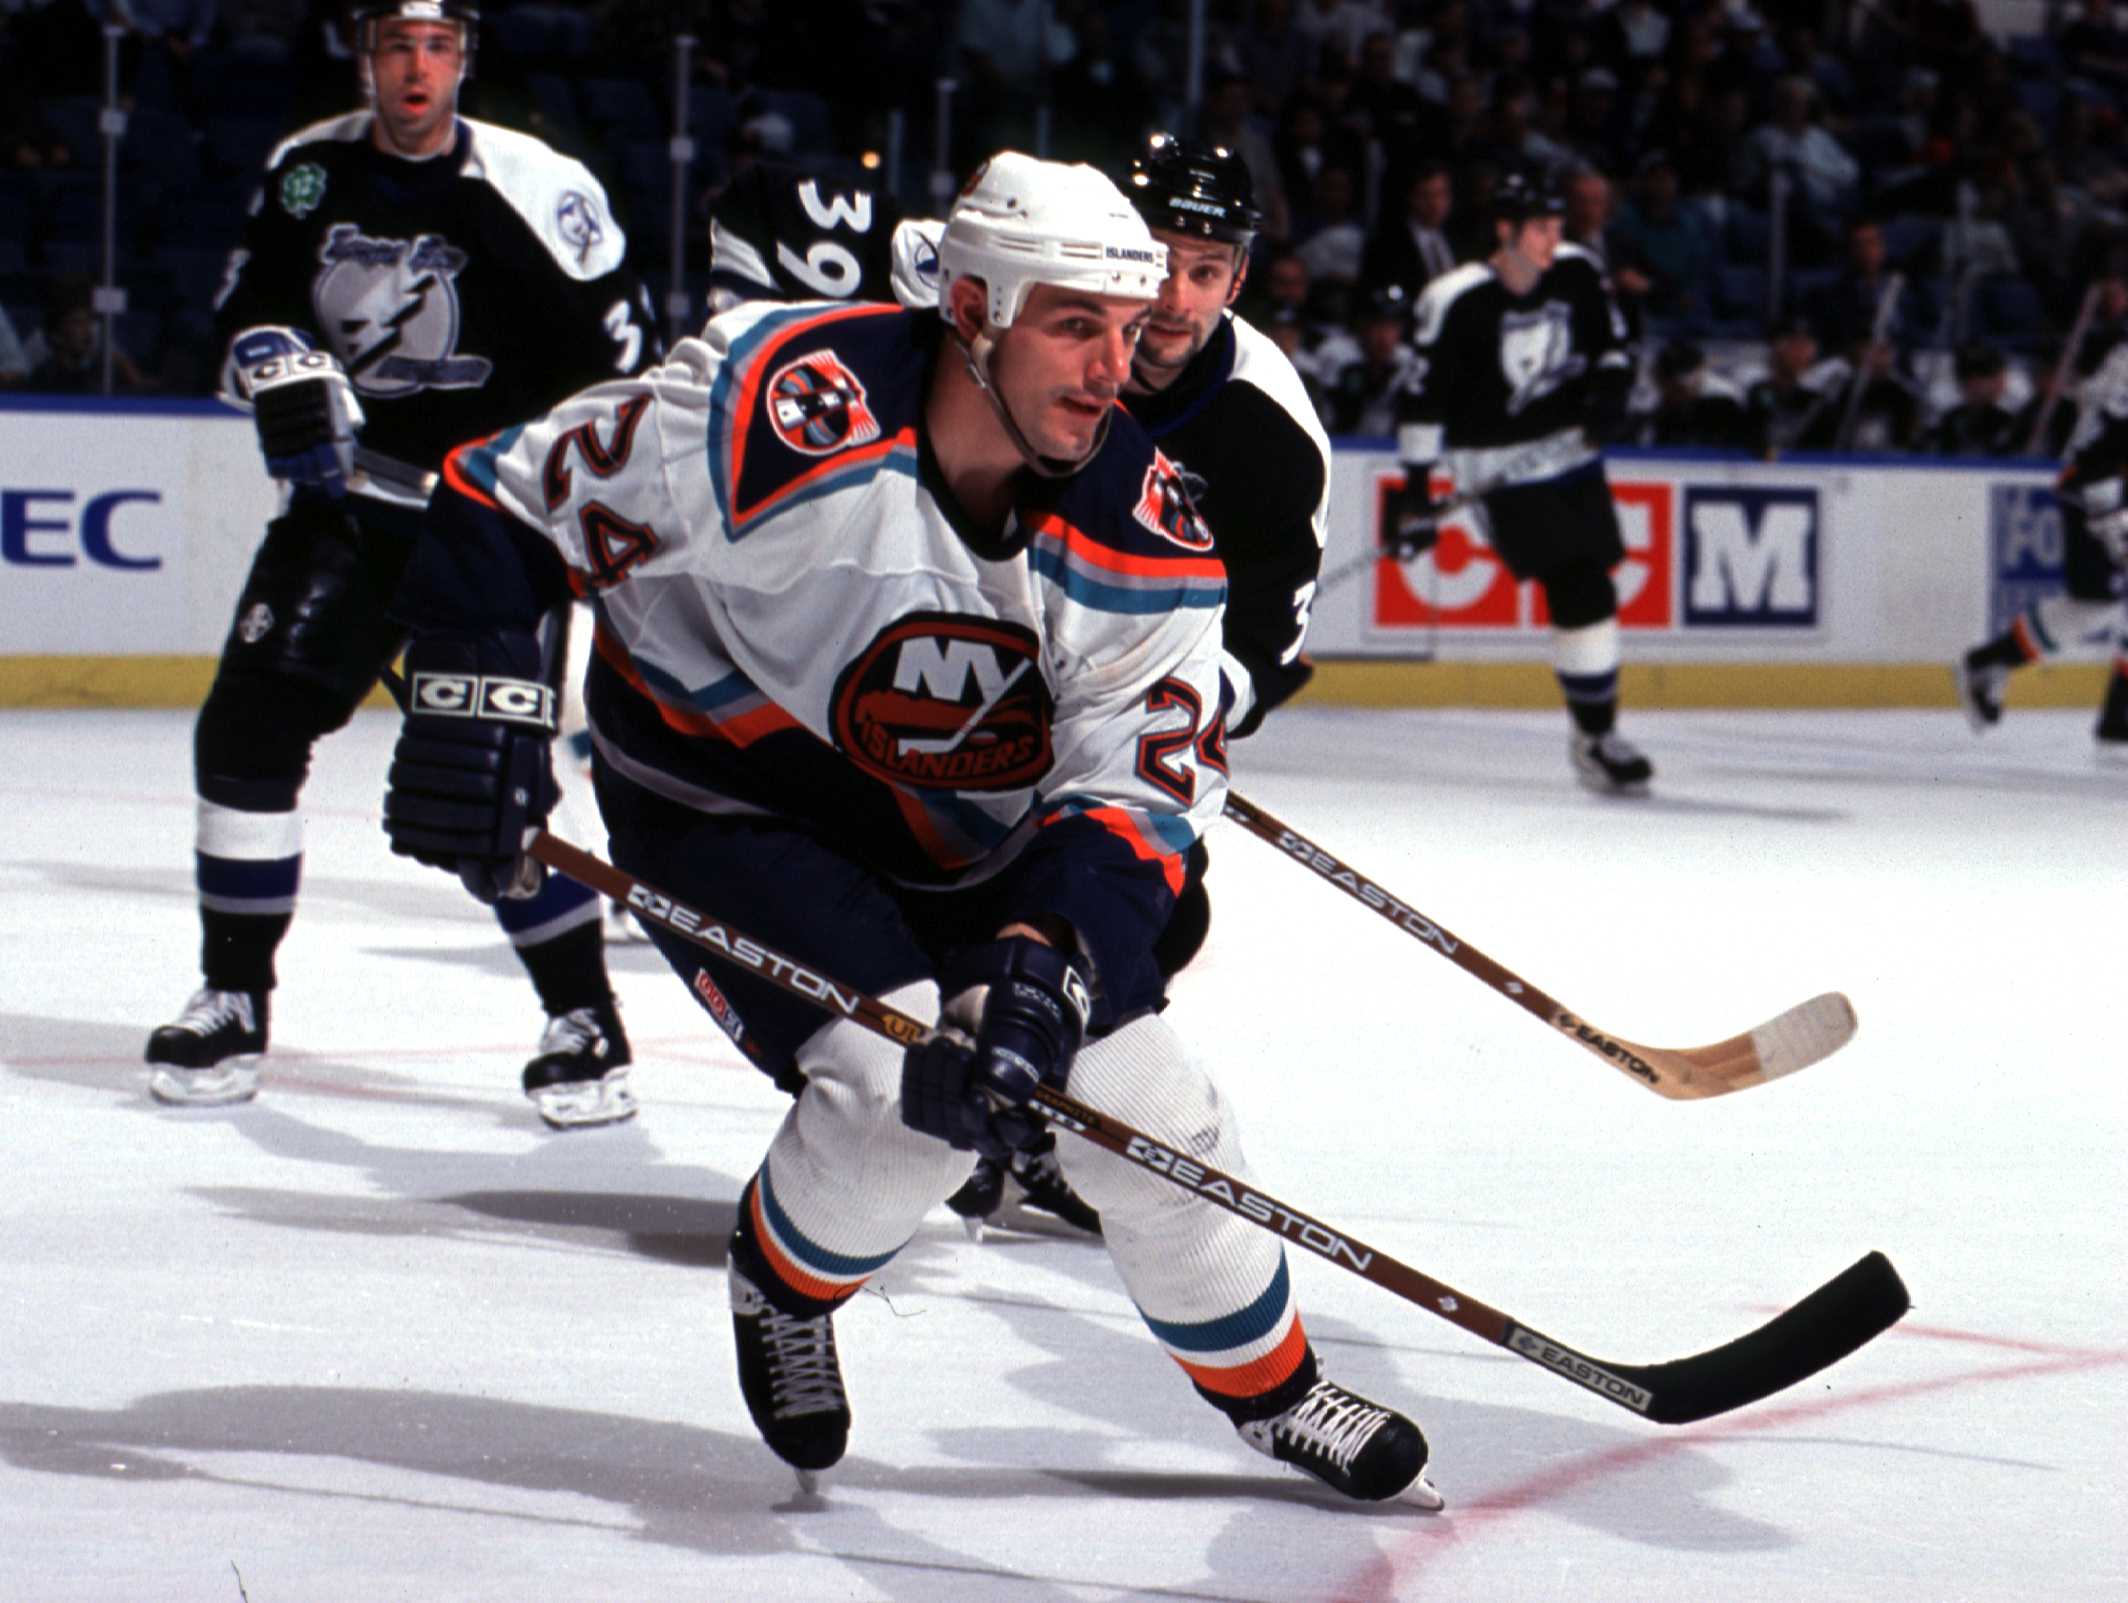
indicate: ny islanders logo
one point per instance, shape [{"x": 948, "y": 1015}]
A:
[
  {"x": 940, "y": 701},
  {"x": 390, "y": 308},
  {"x": 1167, "y": 506},
  {"x": 817, "y": 406}
]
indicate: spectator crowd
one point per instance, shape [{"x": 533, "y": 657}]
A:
[{"x": 1836, "y": 225}]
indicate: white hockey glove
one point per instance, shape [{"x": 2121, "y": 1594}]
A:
[
  {"x": 306, "y": 410},
  {"x": 2107, "y": 518}
]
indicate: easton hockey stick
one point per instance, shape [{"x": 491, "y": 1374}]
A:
[
  {"x": 1856, "y": 1305},
  {"x": 1789, "y": 1041}
]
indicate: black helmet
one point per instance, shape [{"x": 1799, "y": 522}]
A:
[
  {"x": 1194, "y": 189},
  {"x": 1520, "y": 196},
  {"x": 1389, "y": 303}
]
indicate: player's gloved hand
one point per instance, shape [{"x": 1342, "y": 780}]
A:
[
  {"x": 1411, "y": 519},
  {"x": 2106, "y": 516},
  {"x": 1015, "y": 1014},
  {"x": 470, "y": 776},
  {"x": 306, "y": 410},
  {"x": 2111, "y": 531}
]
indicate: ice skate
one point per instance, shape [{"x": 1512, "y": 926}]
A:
[
  {"x": 580, "y": 1078},
  {"x": 208, "y": 1056},
  {"x": 791, "y": 1378},
  {"x": 1033, "y": 1180},
  {"x": 2112, "y": 731},
  {"x": 1367, "y": 1452},
  {"x": 1980, "y": 688},
  {"x": 1610, "y": 763}
]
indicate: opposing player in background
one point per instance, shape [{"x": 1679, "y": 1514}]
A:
[
  {"x": 1523, "y": 376},
  {"x": 909, "y": 666},
  {"x": 409, "y": 279},
  {"x": 1220, "y": 399},
  {"x": 2093, "y": 497}
]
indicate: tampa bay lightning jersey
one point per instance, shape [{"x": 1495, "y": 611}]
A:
[
  {"x": 794, "y": 619},
  {"x": 1497, "y": 369},
  {"x": 460, "y": 293},
  {"x": 785, "y": 233}
]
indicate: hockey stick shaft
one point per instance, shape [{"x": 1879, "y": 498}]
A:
[
  {"x": 1833, "y": 1321},
  {"x": 1803, "y": 1035},
  {"x": 2064, "y": 365}
]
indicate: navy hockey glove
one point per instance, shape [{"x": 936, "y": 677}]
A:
[
  {"x": 305, "y": 409},
  {"x": 1410, "y": 516},
  {"x": 1015, "y": 1015},
  {"x": 470, "y": 775}
]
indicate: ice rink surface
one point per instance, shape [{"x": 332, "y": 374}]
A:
[{"x": 381, "y": 1336}]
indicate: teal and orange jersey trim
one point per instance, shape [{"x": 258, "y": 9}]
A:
[
  {"x": 1247, "y": 1353},
  {"x": 814, "y": 1272}
]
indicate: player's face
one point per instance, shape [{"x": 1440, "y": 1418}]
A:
[
  {"x": 416, "y": 70},
  {"x": 1536, "y": 241},
  {"x": 1062, "y": 363},
  {"x": 1203, "y": 277}
]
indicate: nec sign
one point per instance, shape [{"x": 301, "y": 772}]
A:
[
  {"x": 1751, "y": 558},
  {"x": 46, "y": 529}
]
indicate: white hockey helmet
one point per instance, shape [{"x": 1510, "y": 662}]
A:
[{"x": 1022, "y": 222}]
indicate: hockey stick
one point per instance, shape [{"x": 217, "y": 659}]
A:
[
  {"x": 1789, "y": 1041},
  {"x": 1525, "y": 462},
  {"x": 1887, "y": 303},
  {"x": 1856, "y": 1305},
  {"x": 2064, "y": 365}
]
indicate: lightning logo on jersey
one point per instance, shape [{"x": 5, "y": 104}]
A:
[
  {"x": 1537, "y": 353},
  {"x": 818, "y": 407},
  {"x": 390, "y": 308},
  {"x": 942, "y": 701}
]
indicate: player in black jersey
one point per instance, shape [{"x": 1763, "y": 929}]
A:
[
  {"x": 408, "y": 279},
  {"x": 1523, "y": 376},
  {"x": 2093, "y": 497},
  {"x": 1218, "y": 397}
]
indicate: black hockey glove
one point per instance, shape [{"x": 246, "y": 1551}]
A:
[
  {"x": 1411, "y": 518},
  {"x": 470, "y": 775},
  {"x": 305, "y": 408},
  {"x": 1015, "y": 1015}
]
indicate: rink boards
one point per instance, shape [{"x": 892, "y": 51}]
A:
[{"x": 126, "y": 529}]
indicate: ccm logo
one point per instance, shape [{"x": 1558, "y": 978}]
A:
[
  {"x": 287, "y": 369},
  {"x": 465, "y": 695}
]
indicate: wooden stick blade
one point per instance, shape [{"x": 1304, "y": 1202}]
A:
[{"x": 1805, "y": 1034}]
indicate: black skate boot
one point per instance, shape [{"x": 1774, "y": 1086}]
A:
[
  {"x": 981, "y": 1195},
  {"x": 1980, "y": 687},
  {"x": 208, "y": 1057},
  {"x": 791, "y": 1378},
  {"x": 1610, "y": 763},
  {"x": 580, "y": 1077},
  {"x": 1367, "y": 1452},
  {"x": 2112, "y": 731}
]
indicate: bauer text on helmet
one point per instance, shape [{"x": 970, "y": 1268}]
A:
[{"x": 1021, "y": 222}]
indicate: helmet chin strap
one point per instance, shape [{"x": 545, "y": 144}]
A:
[{"x": 976, "y": 353}]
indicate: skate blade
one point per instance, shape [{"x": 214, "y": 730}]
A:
[{"x": 1423, "y": 1495}]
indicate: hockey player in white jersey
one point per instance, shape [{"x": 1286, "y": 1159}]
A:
[
  {"x": 2093, "y": 498},
  {"x": 1522, "y": 376},
  {"x": 408, "y": 279},
  {"x": 909, "y": 664},
  {"x": 1218, "y": 398}
]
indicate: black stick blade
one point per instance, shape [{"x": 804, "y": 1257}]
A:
[
  {"x": 1854, "y": 1307},
  {"x": 1861, "y": 1302}
]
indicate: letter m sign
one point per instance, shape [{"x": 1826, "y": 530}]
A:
[{"x": 1751, "y": 558}]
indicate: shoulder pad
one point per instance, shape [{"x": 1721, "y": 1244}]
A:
[
  {"x": 556, "y": 195},
  {"x": 1443, "y": 293},
  {"x": 346, "y": 129},
  {"x": 1123, "y": 535},
  {"x": 810, "y": 398}
]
